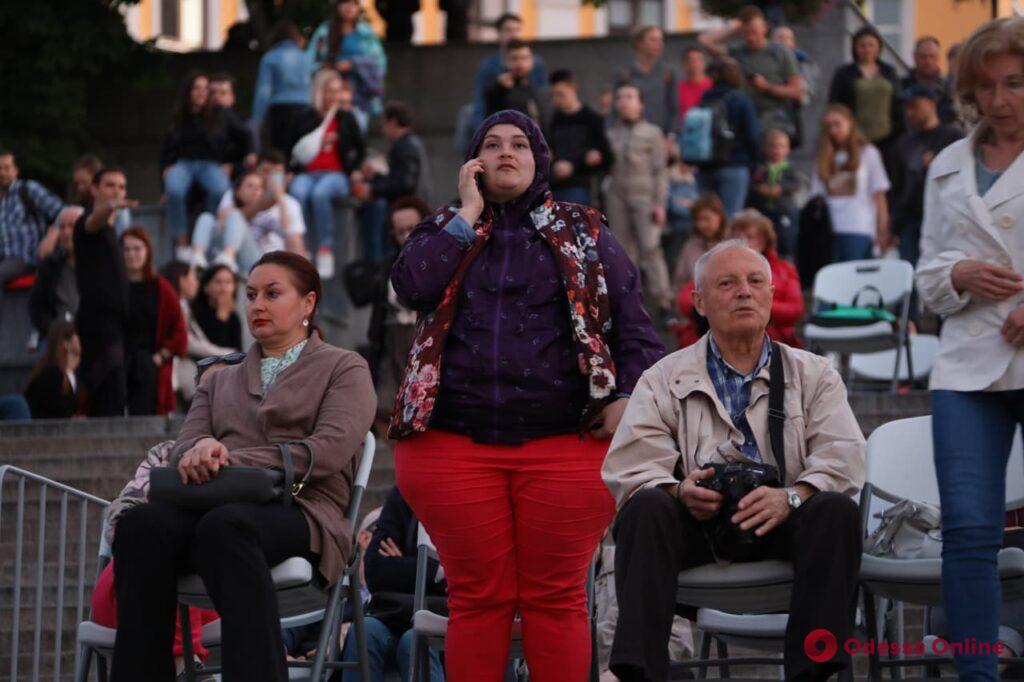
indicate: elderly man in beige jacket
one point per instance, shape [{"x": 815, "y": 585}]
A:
[{"x": 708, "y": 403}]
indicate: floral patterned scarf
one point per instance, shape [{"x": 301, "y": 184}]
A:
[{"x": 571, "y": 231}]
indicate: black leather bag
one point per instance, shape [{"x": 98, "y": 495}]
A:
[{"x": 256, "y": 485}]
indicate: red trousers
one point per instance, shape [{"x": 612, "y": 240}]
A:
[
  {"x": 515, "y": 528},
  {"x": 104, "y": 612}
]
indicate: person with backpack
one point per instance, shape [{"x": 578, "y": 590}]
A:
[
  {"x": 26, "y": 209},
  {"x": 722, "y": 135}
]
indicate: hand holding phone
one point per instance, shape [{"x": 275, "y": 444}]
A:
[{"x": 471, "y": 190}]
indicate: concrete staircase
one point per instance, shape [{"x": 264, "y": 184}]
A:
[{"x": 96, "y": 456}]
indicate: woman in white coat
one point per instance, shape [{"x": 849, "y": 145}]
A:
[{"x": 970, "y": 272}]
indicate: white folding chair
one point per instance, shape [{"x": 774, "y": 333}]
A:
[
  {"x": 900, "y": 465},
  {"x": 840, "y": 284},
  {"x": 304, "y": 598},
  {"x": 878, "y": 366}
]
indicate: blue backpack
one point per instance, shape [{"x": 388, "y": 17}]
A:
[{"x": 707, "y": 137}]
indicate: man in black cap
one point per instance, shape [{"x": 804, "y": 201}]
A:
[{"x": 924, "y": 138}]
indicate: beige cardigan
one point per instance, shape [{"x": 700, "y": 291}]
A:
[
  {"x": 325, "y": 399},
  {"x": 675, "y": 423}
]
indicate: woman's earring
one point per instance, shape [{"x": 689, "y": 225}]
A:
[{"x": 305, "y": 323}]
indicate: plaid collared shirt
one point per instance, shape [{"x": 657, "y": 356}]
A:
[
  {"x": 733, "y": 389},
  {"x": 21, "y": 226}
]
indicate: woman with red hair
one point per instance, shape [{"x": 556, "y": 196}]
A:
[{"x": 154, "y": 329}]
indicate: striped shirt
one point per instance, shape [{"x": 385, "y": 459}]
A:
[
  {"x": 22, "y": 226},
  {"x": 733, "y": 389}
]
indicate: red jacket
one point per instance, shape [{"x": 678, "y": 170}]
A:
[
  {"x": 170, "y": 334},
  {"x": 787, "y": 306}
]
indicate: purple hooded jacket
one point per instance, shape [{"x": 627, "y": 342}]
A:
[{"x": 509, "y": 372}]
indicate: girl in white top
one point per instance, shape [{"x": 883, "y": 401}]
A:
[
  {"x": 972, "y": 257},
  {"x": 852, "y": 179}
]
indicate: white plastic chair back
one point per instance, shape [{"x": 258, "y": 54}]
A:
[
  {"x": 900, "y": 462},
  {"x": 366, "y": 461},
  {"x": 879, "y": 366},
  {"x": 840, "y": 282},
  {"x": 423, "y": 538}
]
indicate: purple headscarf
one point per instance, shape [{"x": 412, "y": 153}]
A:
[{"x": 538, "y": 145}]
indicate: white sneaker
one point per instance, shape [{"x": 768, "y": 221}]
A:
[
  {"x": 224, "y": 259},
  {"x": 325, "y": 263},
  {"x": 197, "y": 260},
  {"x": 183, "y": 253}
]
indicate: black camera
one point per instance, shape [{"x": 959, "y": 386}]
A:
[{"x": 733, "y": 481}]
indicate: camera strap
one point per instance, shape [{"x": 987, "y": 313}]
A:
[{"x": 776, "y": 414}]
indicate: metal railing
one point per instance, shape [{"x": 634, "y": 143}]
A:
[{"x": 74, "y": 509}]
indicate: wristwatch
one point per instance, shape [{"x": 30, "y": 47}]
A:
[{"x": 794, "y": 498}]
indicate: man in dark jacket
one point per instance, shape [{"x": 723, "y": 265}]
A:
[
  {"x": 514, "y": 89},
  {"x": 389, "y": 565},
  {"x": 408, "y": 175},
  {"x": 55, "y": 293},
  {"x": 579, "y": 146},
  {"x": 925, "y": 137},
  {"x": 926, "y": 72}
]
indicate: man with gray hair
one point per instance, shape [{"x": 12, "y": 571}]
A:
[{"x": 709, "y": 404}]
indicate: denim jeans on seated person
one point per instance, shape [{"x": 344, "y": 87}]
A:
[
  {"x": 972, "y": 433},
  {"x": 179, "y": 180},
  {"x": 847, "y": 247},
  {"x": 386, "y": 651},
  {"x": 235, "y": 233},
  {"x": 316, "y": 193}
]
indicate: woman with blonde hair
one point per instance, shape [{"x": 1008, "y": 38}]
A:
[
  {"x": 331, "y": 147},
  {"x": 851, "y": 177},
  {"x": 972, "y": 257}
]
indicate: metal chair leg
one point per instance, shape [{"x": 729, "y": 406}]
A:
[
  {"x": 705, "y": 654},
  {"x": 84, "y": 664},
  {"x": 101, "y": 668},
  {"x": 323, "y": 642},
  {"x": 186, "y": 643},
  {"x": 723, "y": 653},
  {"x": 874, "y": 670}
]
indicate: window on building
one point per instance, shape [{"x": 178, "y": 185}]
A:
[
  {"x": 624, "y": 15},
  {"x": 170, "y": 19}
]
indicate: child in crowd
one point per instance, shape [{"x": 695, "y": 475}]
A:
[
  {"x": 579, "y": 147},
  {"x": 638, "y": 192},
  {"x": 682, "y": 192},
  {"x": 709, "y": 224},
  {"x": 774, "y": 187},
  {"x": 513, "y": 89}
]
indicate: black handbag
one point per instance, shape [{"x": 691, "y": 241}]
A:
[{"x": 256, "y": 485}]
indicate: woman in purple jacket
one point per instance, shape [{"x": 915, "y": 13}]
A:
[{"x": 532, "y": 333}]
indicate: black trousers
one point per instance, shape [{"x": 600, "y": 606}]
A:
[
  {"x": 656, "y": 537},
  {"x": 103, "y": 374},
  {"x": 232, "y": 547},
  {"x": 281, "y": 128}
]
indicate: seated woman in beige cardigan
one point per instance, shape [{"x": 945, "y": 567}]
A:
[{"x": 291, "y": 387}]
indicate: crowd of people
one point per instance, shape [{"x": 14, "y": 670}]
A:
[{"x": 516, "y": 351}]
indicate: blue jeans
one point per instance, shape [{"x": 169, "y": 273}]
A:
[
  {"x": 177, "y": 182},
  {"x": 14, "y": 407},
  {"x": 386, "y": 652},
  {"x": 972, "y": 433},
  {"x": 910, "y": 242},
  {"x": 576, "y": 195},
  {"x": 375, "y": 240},
  {"x": 235, "y": 235},
  {"x": 316, "y": 193},
  {"x": 730, "y": 183},
  {"x": 847, "y": 247}
]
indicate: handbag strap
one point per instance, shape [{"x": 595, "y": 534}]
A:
[
  {"x": 291, "y": 487},
  {"x": 776, "y": 414},
  {"x": 871, "y": 289}
]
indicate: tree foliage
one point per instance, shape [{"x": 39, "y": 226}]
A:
[{"x": 51, "y": 52}]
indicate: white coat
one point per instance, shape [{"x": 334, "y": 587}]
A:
[{"x": 959, "y": 225}]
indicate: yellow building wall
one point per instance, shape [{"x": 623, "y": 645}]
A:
[{"x": 949, "y": 20}]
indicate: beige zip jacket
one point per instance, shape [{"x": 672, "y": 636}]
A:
[{"x": 675, "y": 423}]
